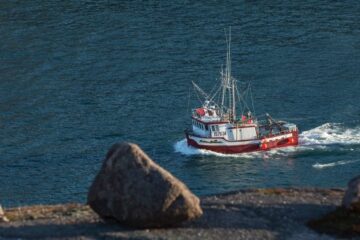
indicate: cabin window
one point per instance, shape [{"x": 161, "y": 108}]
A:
[
  {"x": 199, "y": 125},
  {"x": 206, "y": 127},
  {"x": 215, "y": 128}
]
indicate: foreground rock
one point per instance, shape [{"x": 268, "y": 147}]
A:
[
  {"x": 341, "y": 222},
  {"x": 134, "y": 190},
  {"x": 249, "y": 214},
  {"x": 344, "y": 221},
  {"x": 352, "y": 195}
]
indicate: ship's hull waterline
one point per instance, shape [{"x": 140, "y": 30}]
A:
[{"x": 221, "y": 145}]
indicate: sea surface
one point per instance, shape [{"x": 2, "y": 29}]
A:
[{"x": 78, "y": 76}]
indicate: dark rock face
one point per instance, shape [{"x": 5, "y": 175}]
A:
[
  {"x": 134, "y": 190},
  {"x": 352, "y": 195}
]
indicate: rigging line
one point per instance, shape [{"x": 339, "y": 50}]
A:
[
  {"x": 197, "y": 95},
  {"x": 252, "y": 99},
  {"x": 215, "y": 94},
  {"x": 218, "y": 98},
  {"x": 239, "y": 99},
  {"x": 188, "y": 105},
  {"x": 212, "y": 90},
  {"x": 197, "y": 88},
  {"x": 241, "y": 103},
  {"x": 247, "y": 94},
  {"x": 199, "y": 98},
  {"x": 243, "y": 100}
]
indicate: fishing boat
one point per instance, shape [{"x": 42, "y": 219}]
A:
[{"x": 225, "y": 123}]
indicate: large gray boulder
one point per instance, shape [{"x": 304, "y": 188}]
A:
[
  {"x": 351, "y": 198},
  {"x": 134, "y": 190}
]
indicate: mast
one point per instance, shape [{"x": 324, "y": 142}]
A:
[
  {"x": 228, "y": 83},
  {"x": 233, "y": 111},
  {"x": 223, "y": 84},
  {"x": 230, "y": 80}
]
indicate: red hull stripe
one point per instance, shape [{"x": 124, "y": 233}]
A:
[{"x": 291, "y": 141}]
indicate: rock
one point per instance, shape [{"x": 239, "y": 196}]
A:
[
  {"x": 352, "y": 195},
  {"x": 3, "y": 218},
  {"x": 134, "y": 190}
]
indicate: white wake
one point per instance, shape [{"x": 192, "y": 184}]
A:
[
  {"x": 333, "y": 164},
  {"x": 330, "y": 133},
  {"x": 316, "y": 138}
]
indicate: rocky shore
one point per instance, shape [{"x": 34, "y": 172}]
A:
[
  {"x": 132, "y": 197},
  {"x": 246, "y": 214}
]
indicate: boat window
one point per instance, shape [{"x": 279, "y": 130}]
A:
[{"x": 206, "y": 127}]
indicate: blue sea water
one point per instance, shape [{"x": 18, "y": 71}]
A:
[{"x": 78, "y": 76}]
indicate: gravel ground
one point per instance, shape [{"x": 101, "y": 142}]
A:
[{"x": 247, "y": 214}]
